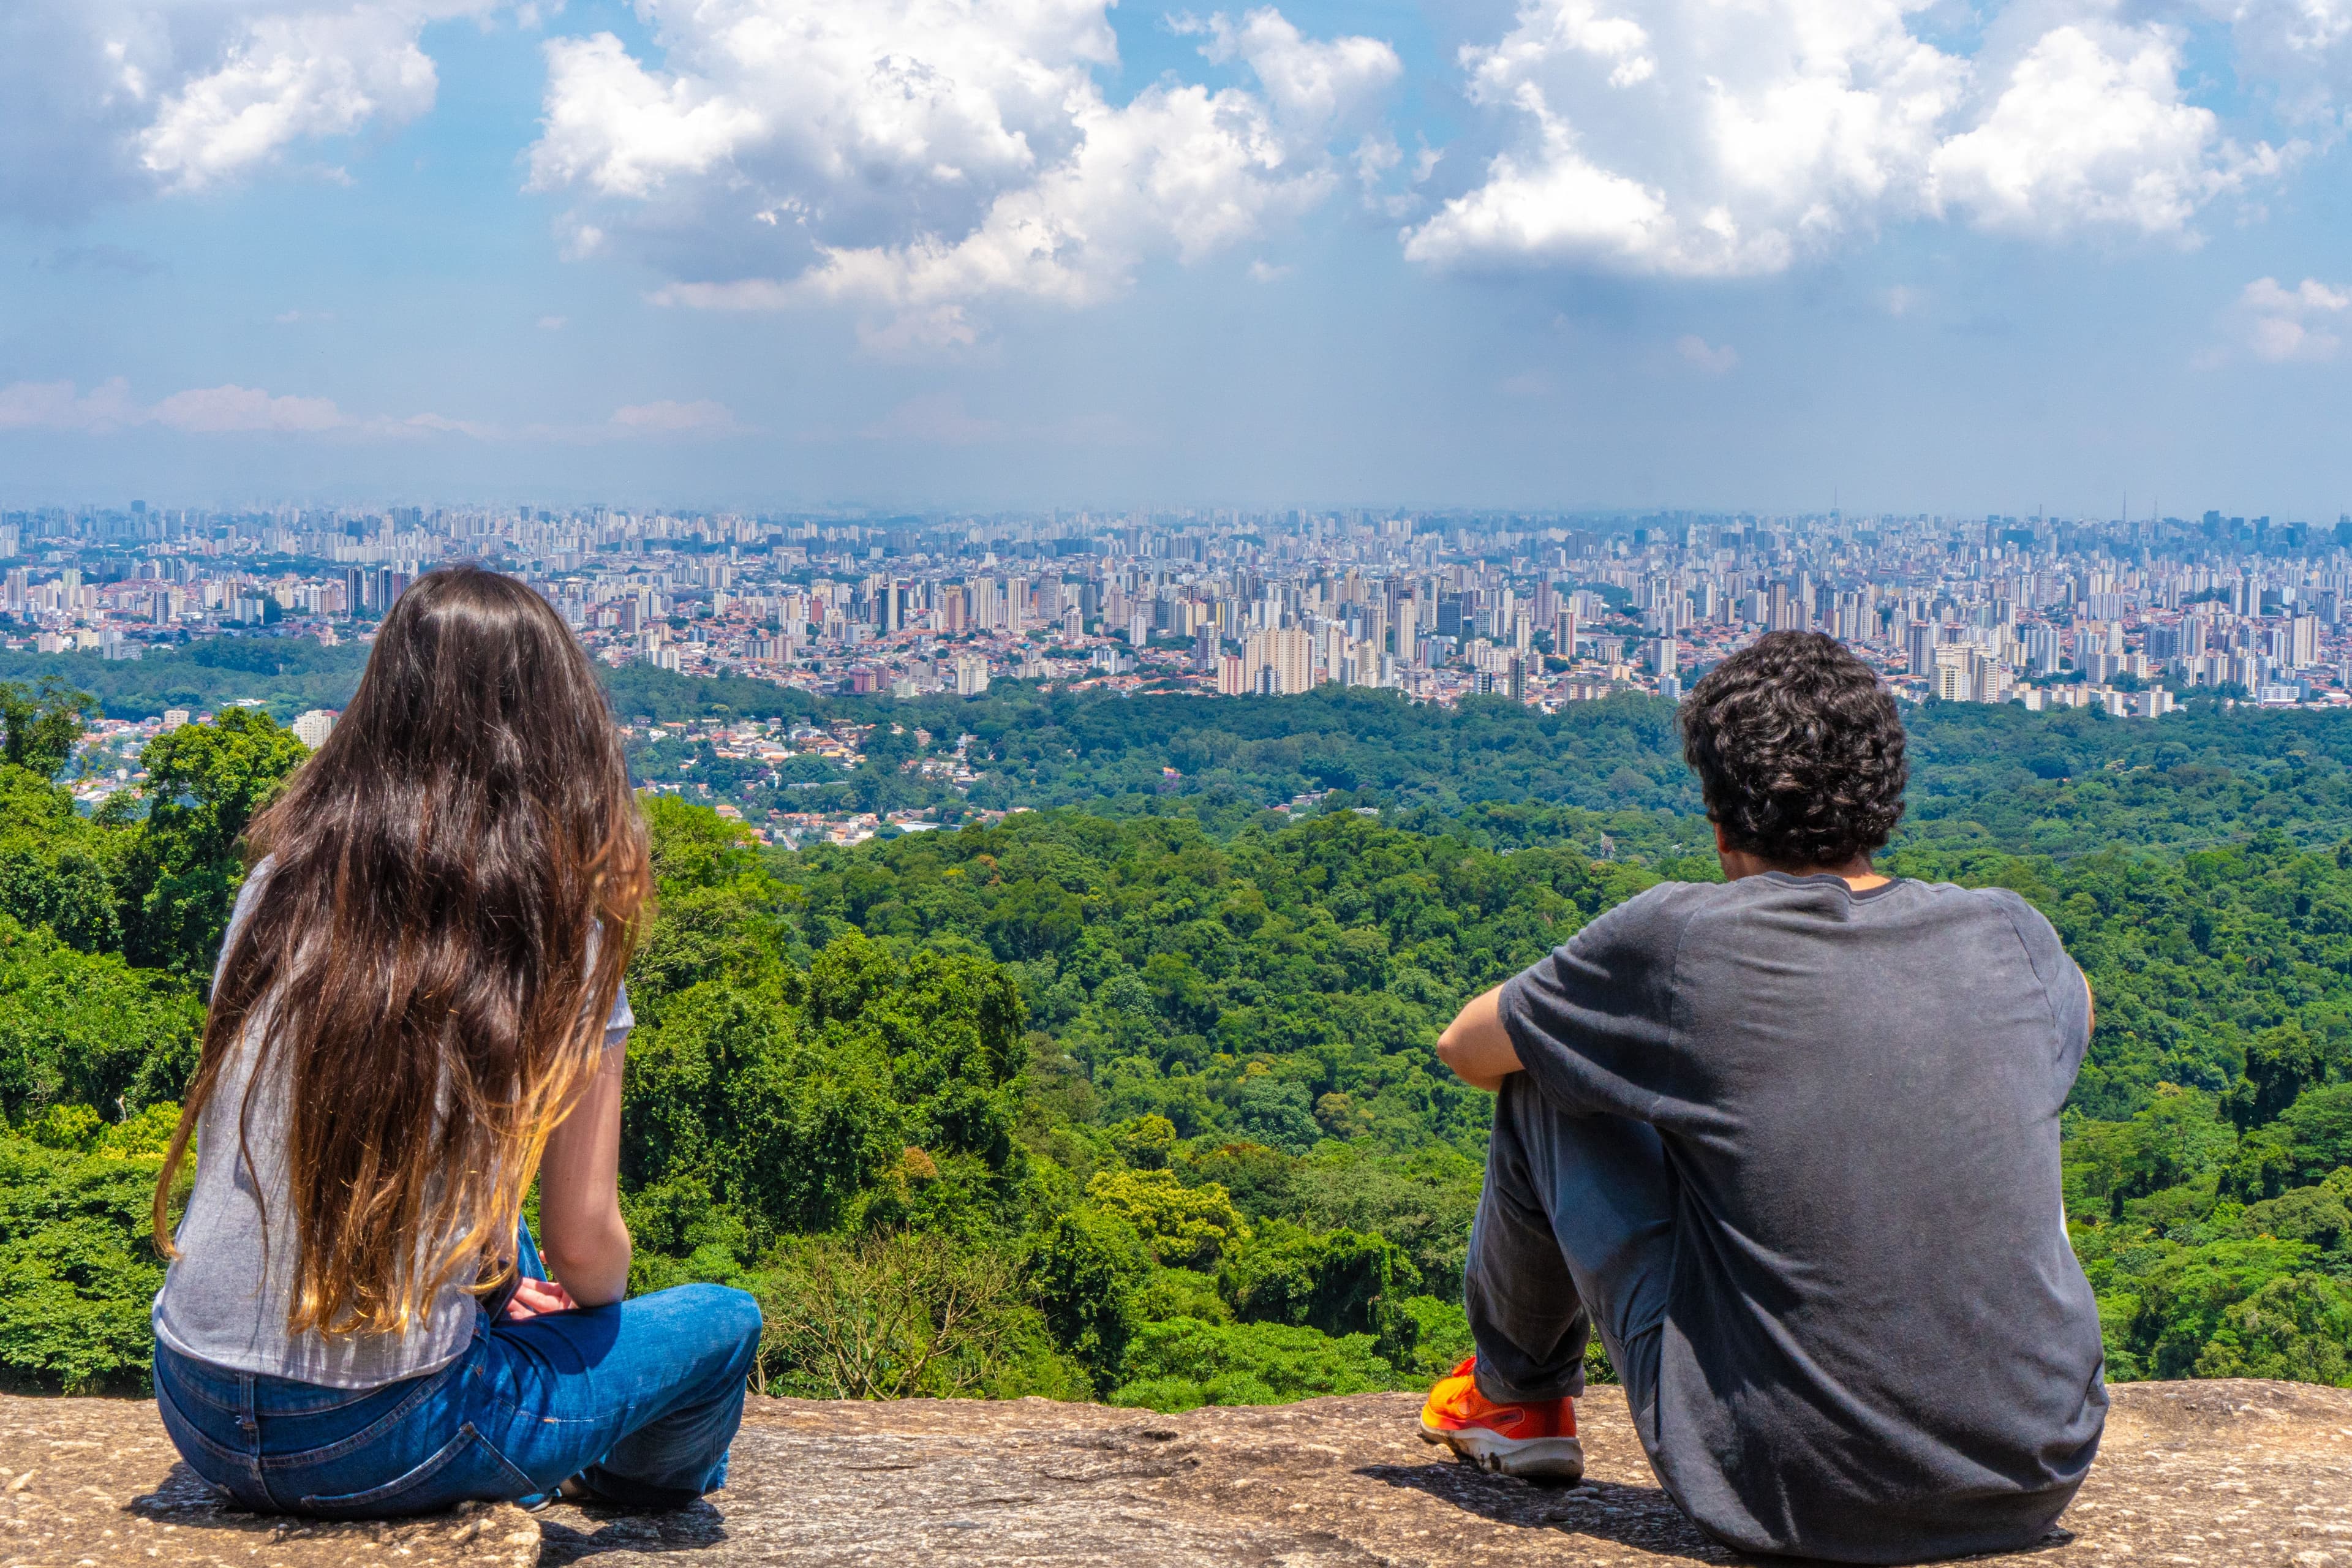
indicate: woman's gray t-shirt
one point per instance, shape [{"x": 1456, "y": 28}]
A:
[
  {"x": 226, "y": 1296},
  {"x": 1877, "y": 1345}
]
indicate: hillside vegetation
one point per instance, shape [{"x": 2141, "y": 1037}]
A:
[{"x": 1138, "y": 1102}]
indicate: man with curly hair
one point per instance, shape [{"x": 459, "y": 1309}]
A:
[{"x": 1790, "y": 1141}]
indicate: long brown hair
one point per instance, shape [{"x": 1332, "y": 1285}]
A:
[{"x": 424, "y": 963}]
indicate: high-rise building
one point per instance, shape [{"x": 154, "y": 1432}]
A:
[
  {"x": 1919, "y": 646},
  {"x": 1281, "y": 663},
  {"x": 313, "y": 728},
  {"x": 2303, "y": 650}
]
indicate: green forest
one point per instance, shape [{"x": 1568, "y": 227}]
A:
[
  {"x": 1133, "y": 1097},
  {"x": 2061, "y": 783}
]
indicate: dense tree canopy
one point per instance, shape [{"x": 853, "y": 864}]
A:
[{"x": 1133, "y": 1096}]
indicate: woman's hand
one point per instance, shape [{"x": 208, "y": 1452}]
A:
[{"x": 533, "y": 1297}]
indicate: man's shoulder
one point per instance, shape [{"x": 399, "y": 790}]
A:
[{"x": 1904, "y": 898}]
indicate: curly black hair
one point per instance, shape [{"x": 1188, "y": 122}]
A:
[{"x": 1799, "y": 751}]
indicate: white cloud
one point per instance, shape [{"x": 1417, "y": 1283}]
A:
[
  {"x": 1690, "y": 138},
  {"x": 666, "y": 418},
  {"x": 916, "y": 156},
  {"x": 224, "y": 410},
  {"x": 2090, "y": 129},
  {"x": 1316, "y": 85},
  {"x": 1717, "y": 361},
  {"x": 2282, "y": 324},
  {"x": 286, "y": 78},
  {"x": 554, "y": 323},
  {"x": 2302, "y": 48},
  {"x": 231, "y": 410},
  {"x": 1263, "y": 271},
  {"x": 60, "y": 405},
  {"x": 104, "y": 100},
  {"x": 1901, "y": 300},
  {"x": 228, "y": 410},
  {"x": 1695, "y": 140}
]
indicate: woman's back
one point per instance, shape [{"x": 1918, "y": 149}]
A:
[
  {"x": 228, "y": 1293},
  {"x": 418, "y": 1012}
]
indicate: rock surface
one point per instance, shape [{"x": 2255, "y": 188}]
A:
[{"x": 2197, "y": 1473}]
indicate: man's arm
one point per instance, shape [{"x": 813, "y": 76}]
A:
[{"x": 1476, "y": 1046}]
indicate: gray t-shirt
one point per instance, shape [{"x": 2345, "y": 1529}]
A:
[
  {"x": 220, "y": 1304},
  {"x": 1878, "y": 1346}
]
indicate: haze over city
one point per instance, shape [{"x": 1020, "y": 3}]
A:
[{"x": 2064, "y": 256}]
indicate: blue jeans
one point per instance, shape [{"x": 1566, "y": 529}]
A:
[{"x": 639, "y": 1400}]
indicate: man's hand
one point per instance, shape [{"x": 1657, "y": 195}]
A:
[
  {"x": 533, "y": 1297},
  {"x": 1476, "y": 1046}
]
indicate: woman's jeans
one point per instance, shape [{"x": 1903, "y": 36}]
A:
[{"x": 639, "y": 1400}]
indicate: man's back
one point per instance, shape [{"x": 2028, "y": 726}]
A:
[{"x": 1877, "y": 1342}]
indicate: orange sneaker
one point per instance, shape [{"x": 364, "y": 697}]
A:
[{"x": 1533, "y": 1440}]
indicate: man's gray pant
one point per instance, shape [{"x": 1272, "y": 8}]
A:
[{"x": 1575, "y": 1230}]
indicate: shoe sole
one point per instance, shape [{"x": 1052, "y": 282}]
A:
[{"x": 1531, "y": 1458}]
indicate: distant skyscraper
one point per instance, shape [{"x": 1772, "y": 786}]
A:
[
  {"x": 313, "y": 728},
  {"x": 1919, "y": 646},
  {"x": 1280, "y": 662},
  {"x": 2303, "y": 641}
]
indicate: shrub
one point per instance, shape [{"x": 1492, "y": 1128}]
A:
[
  {"x": 1184, "y": 1363},
  {"x": 1081, "y": 1274},
  {"x": 1183, "y": 1226},
  {"x": 898, "y": 1316},
  {"x": 77, "y": 1271},
  {"x": 1342, "y": 1283}
]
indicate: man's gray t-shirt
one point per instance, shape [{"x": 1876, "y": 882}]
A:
[{"x": 1877, "y": 1344}]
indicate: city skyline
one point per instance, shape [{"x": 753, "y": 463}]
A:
[
  {"x": 2130, "y": 619},
  {"x": 800, "y": 253}
]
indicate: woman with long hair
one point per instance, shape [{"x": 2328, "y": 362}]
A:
[{"x": 418, "y": 1010}]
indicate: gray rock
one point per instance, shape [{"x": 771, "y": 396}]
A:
[{"x": 2205, "y": 1473}]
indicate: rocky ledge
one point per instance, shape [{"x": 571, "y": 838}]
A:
[{"x": 2204, "y": 1473}]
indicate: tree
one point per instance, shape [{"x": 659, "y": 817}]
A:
[
  {"x": 38, "y": 728},
  {"x": 1342, "y": 1283},
  {"x": 2280, "y": 1064},
  {"x": 89, "y": 1029},
  {"x": 1081, "y": 1274},
  {"x": 204, "y": 781},
  {"x": 1183, "y": 1226},
  {"x": 80, "y": 1266},
  {"x": 58, "y": 868}
]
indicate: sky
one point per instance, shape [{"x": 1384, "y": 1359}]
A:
[{"x": 2077, "y": 256}]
